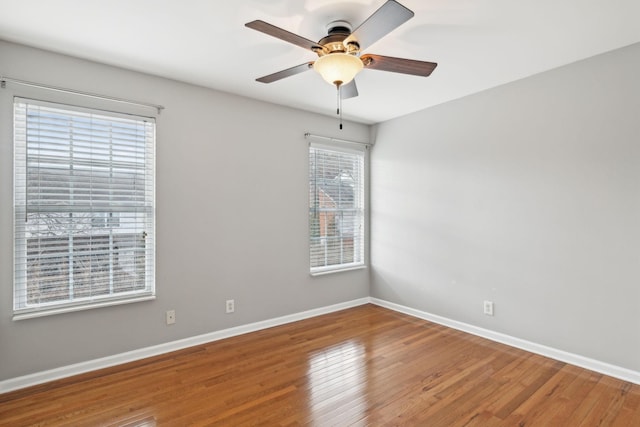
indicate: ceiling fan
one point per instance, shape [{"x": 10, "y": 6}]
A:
[{"x": 339, "y": 52}]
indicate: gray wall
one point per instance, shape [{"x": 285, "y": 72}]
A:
[
  {"x": 527, "y": 195},
  {"x": 232, "y": 209}
]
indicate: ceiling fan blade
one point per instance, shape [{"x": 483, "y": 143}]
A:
[
  {"x": 281, "y": 34},
  {"x": 398, "y": 65},
  {"x": 350, "y": 90},
  {"x": 285, "y": 73},
  {"x": 384, "y": 20}
]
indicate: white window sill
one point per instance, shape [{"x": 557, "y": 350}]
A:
[
  {"x": 26, "y": 314},
  {"x": 328, "y": 270}
]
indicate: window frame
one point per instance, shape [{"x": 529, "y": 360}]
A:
[
  {"x": 21, "y": 308},
  {"x": 342, "y": 147}
]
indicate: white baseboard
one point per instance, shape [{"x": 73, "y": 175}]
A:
[
  {"x": 563, "y": 356},
  {"x": 131, "y": 356}
]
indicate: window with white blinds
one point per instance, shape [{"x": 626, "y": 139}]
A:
[
  {"x": 84, "y": 208},
  {"x": 336, "y": 207}
]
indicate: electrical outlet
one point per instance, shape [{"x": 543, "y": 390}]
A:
[
  {"x": 231, "y": 306},
  {"x": 488, "y": 308},
  {"x": 171, "y": 317}
]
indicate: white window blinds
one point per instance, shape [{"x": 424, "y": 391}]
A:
[
  {"x": 336, "y": 207},
  {"x": 84, "y": 208}
]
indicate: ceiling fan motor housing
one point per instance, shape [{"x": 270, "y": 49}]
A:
[{"x": 337, "y": 32}]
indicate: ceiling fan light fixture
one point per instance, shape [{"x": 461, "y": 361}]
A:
[{"x": 338, "y": 68}]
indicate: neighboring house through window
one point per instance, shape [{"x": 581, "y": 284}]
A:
[{"x": 336, "y": 207}]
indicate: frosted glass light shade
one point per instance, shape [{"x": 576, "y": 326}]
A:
[{"x": 338, "y": 67}]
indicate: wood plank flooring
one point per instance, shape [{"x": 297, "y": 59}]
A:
[{"x": 363, "y": 366}]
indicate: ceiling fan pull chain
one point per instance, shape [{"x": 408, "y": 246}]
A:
[{"x": 339, "y": 86}]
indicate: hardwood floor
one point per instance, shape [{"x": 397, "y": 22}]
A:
[{"x": 362, "y": 366}]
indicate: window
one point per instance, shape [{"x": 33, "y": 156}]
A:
[
  {"x": 336, "y": 207},
  {"x": 84, "y": 208}
]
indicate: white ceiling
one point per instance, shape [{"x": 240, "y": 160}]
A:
[{"x": 478, "y": 44}]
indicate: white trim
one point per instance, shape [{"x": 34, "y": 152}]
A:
[
  {"x": 321, "y": 271},
  {"x": 4, "y": 80},
  {"x": 315, "y": 139},
  {"x": 131, "y": 356},
  {"x": 553, "y": 353},
  {"x": 60, "y": 309}
]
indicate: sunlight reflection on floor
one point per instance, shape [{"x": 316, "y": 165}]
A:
[{"x": 337, "y": 374}]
